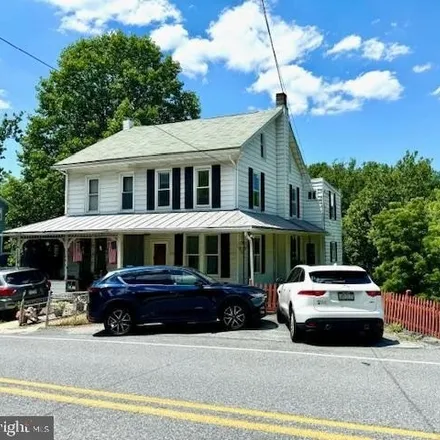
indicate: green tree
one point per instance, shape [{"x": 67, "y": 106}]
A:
[{"x": 100, "y": 81}]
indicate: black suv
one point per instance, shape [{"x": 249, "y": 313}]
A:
[
  {"x": 167, "y": 294},
  {"x": 16, "y": 282}
]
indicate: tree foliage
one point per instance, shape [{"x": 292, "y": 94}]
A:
[{"x": 100, "y": 81}]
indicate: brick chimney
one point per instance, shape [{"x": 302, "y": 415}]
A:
[
  {"x": 281, "y": 100},
  {"x": 127, "y": 124}
]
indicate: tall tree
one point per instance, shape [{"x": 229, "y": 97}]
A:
[{"x": 100, "y": 81}]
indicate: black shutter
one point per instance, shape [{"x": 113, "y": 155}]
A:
[
  {"x": 189, "y": 188},
  {"x": 290, "y": 200},
  {"x": 263, "y": 196},
  {"x": 298, "y": 203},
  {"x": 176, "y": 188},
  {"x": 331, "y": 252},
  {"x": 178, "y": 250},
  {"x": 263, "y": 254},
  {"x": 150, "y": 190},
  {"x": 216, "y": 186},
  {"x": 334, "y": 206},
  {"x": 225, "y": 259},
  {"x": 336, "y": 251},
  {"x": 298, "y": 252},
  {"x": 251, "y": 188},
  {"x": 330, "y": 204}
]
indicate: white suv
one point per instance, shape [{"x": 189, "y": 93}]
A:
[{"x": 330, "y": 298}]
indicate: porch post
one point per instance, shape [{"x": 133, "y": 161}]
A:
[
  {"x": 120, "y": 251},
  {"x": 66, "y": 243},
  {"x": 92, "y": 254},
  {"x": 18, "y": 252},
  {"x": 251, "y": 257}
]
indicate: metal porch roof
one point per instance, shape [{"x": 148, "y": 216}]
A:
[{"x": 235, "y": 220}]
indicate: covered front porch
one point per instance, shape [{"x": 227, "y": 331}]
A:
[{"x": 231, "y": 246}]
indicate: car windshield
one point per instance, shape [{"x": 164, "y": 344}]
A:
[{"x": 340, "y": 277}]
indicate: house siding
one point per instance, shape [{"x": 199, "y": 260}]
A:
[
  {"x": 251, "y": 158},
  {"x": 332, "y": 227},
  {"x": 110, "y": 190}
]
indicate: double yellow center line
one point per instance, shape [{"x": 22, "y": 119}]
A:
[{"x": 210, "y": 414}]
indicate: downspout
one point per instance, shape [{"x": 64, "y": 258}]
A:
[{"x": 251, "y": 257}]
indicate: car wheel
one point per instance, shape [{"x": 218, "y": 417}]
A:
[
  {"x": 118, "y": 321},
  {"x": 234, "y": 316},
  {"x": 295, "y": 333},
  {"x": 281, "y": 319}
]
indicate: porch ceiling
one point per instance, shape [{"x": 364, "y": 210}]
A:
[{"x": 171, "y": 222}]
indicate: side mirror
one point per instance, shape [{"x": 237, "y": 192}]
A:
[
  {"x": 280, "y": 280},
  {"x": 199, "y": 284}
]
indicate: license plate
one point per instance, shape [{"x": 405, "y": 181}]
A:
[
  {"x": 346, "y": 296},
  {"x": 32, "y": 291}
]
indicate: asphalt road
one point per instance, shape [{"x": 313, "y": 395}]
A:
[{"x": 198, "y": 383}]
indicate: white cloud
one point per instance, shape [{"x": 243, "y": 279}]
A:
[
  {"x": 394, "y": 24},
  {"x": 376, "y": 21},
  {"x": 420, "y": 68},
  {"x": 372, "y": 49},
  {"x": 239, "y": 39},
  {"x": 93, "y": 16},
  {"x": 314, "y": 94},
  {"x": 436, "y": 92},
  {"x": 352, "y": 42},
  {"x": 4, "y": 105}
]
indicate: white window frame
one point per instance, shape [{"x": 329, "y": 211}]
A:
[
  {"x": 206, "y": 255},
  {"x": 121, "y": 189},
  {"x": 254, "y": 177},
  {"x": 186, "y": 255},
  {"x": 196, "y": 181},
  {"x": 262, "y": 146},
  {"x": 88, "y": 179},
  {"x": 257, "y": 267},
  {"x": 156, "y": 184}
]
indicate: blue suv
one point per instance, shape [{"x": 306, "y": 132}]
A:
[{"x": 165, "y": 294}]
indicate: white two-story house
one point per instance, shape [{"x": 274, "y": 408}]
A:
[{"x": 230, "y": 196}]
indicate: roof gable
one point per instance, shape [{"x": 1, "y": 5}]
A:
[{"x": 221, "y": 133}]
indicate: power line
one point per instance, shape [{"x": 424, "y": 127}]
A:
[
  {"x": 28, "y": 53},
  {"x": 280, "y": 77}
]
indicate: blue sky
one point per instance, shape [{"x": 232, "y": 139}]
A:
[{"x": 362, "y": 77}]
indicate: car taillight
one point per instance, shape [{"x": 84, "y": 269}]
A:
[
  {"x": 374, "y": 293},
  {"x": 93, "y": 290},
  {"x": 311, "y": 292},
  {"x": 6, "y": 291}
]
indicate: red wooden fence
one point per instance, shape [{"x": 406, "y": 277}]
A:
[{"x": 414, "y": 313}]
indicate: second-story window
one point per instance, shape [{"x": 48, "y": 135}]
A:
[
  {"x": 203, "y": 177},
  {"x": 256, "y": 190},
  {"x": 163, "y": 188},
  {"x": 93, "y": 195},
  {"x": 127, "y": 192}
]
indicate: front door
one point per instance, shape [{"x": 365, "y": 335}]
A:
[
  {"x": 311, "y": 253},
  {"x": 159, "y": 254}
]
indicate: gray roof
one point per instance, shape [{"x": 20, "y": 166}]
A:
[
  {"x": 212, "y": 134},
  {"x": 164, "y": 222}
]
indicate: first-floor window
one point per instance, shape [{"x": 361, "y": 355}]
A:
[
  {"x": 257, "y": 254},
  {"x": 127, "y": 192},
  {"x": 212, "y": 254},
  {"x": 93, "y": 193},
  {"x": 192, "y": 251}
]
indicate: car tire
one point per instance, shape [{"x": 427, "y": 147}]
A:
[
  {"x": 281, "y": 319},
  {"x": 295, "y": 332},
  {"x": 119, "y": 321},
  {"x": 234, "y": 316}
]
